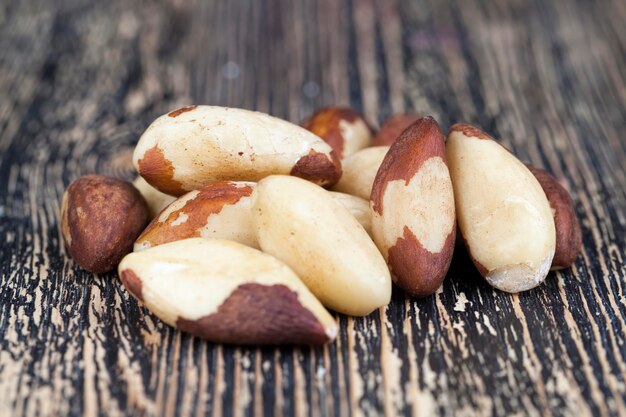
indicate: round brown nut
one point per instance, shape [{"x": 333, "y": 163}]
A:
[
  {"x": 503, "y": 213},
  {"x": 413, "y": 216},
  {"x": 392, "y": 128},
  {"x": 226, "y": 292},
  {"x": 100, "y": 219},
  {"x": 218, "y": 210},
  {"x": 344, "y": 129},
  {"x": 568, "y": 233},
  {"x": 193, "y": 146}
]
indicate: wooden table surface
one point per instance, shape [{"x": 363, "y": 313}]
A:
[{"x": 80, "y": 80}]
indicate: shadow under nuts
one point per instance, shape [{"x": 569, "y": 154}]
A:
[
  {"x": 226, "y": 292},
  {"x": 100, "y": 219}
]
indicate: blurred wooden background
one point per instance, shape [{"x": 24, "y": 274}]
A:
[{"x": 80, "y": 80}]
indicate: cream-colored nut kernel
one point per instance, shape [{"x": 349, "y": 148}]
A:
[
  {"x": 413, "y": 217},
  {"x": 220, "y": 210},
  {"x": 193, "y": 146},
  {"x": 156, "y": 200},
  {"x": 358, "y": 207},
  {"x": 359, "y": 171},
  {"x": 302, "y": 225},
  {"x": 503, "y": 213},
  {"x": 344, "y": 129},
  {"x": 226, "y": 292},
  {"x": 100, "y": 219}
]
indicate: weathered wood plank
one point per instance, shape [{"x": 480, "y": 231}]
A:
[{"x": 80, "y": 81}]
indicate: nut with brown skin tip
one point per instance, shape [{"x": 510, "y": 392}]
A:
[
  {"x": 392, "y": 128},
  {"x": 359, "y": 171},
  {"x": 413, "y": 217},
  {"x": 344, "y": 129},
  {"x": 220, "y": 210},
  {"x": 100, "y": 219},
  {"x": 156, "y": 200},
  {"x": 191, "y": 147},
  {"x": 226, "y": 292},
  {"x": 568, "y": 233},
  {"x": 502, "y": 211},
  {"x": 305, "y": 227}
]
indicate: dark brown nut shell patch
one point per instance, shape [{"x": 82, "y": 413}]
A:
[{"x": 101, "y": 218}]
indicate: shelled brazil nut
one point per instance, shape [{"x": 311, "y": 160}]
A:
[
  {"x": 502, "y": 211},
  {"x": 226, "y": 292},
  {"x": 413, "y": 216},
  {"x": 302, "y": 225},
  {"x": 192, "y": 146}
]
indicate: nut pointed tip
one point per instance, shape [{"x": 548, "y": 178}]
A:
[
  {"x": 521, "y": 277},
  {"x": 469, "y": 131}
]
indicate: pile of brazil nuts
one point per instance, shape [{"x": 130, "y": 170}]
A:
[{"x": 243, "y": 228}]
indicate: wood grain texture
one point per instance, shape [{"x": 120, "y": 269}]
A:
[{"x": 80, "y": 80}]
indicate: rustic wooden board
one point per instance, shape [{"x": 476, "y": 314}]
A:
[{"x": 79, "y": 81}]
